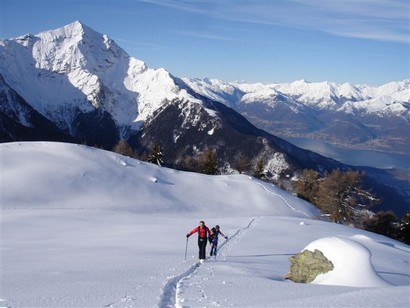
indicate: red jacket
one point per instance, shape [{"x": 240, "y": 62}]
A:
[{"x": 201, "y": 231}]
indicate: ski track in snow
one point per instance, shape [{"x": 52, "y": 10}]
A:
[
  {"x": 173, "y": 287},
  {"x": 173, "y": 291},
  {"x": 284, "y": 200}
]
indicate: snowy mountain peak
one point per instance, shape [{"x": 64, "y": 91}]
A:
[
  {"x": 74, "y": 75},
  {"x": 75, "y": 46},
  {"x": 75, "y": 31},
  {"x": 88, "y": 71},
  {"x": 344, "y": 114},
  {"x": 319, "y": 95}
]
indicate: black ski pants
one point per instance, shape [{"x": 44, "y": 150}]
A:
[{"x": 202, "y": 246}]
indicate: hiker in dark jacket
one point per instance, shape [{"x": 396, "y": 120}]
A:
[
  {"x": 203, "y": 231},
  {"x": 214, "y": 240}
]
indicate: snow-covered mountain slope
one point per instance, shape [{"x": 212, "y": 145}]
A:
[
  {"x": 354, "y": 116},
  {"x": 74, "y": 84},
  {"x": 82, "y": 82},
  {"x": 320, "y": 95},
  {"x": 86, "y": 85},
  {"x": 328, "y": 95},
  {"x": 85, "y": 70},
  {"x": 83, "y": 227},
  {"x": 141, "y": 187}
]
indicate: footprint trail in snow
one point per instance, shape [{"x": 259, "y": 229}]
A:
[{"x": 192, "y": 279}]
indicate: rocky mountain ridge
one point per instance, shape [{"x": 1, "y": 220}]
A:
[
  {"x": 74, "y": 84},
  {"x": 353, "y": 116}
]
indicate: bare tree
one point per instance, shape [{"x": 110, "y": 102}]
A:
[
  {"x": 341, "y": 195},
  {"x": 307, "y": 185},
  {"x": 242, "y": 163},
  {"x": 123, "y": 148}
]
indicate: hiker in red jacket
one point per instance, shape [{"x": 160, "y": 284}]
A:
[{"x": 202, "y": 238}]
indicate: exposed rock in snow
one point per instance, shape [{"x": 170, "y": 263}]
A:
[
  {"x": 307, "y": 265},
  {"x": 352, "y": 263}
]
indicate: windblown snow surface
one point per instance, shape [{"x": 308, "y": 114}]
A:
[{"x": 83, "y": 227}]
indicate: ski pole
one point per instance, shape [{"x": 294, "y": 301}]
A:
[{"x": 186, "y": 248}]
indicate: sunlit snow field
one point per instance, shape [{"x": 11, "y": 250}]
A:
[{"x": 83, "y": 227}]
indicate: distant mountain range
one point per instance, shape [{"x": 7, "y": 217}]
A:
[
  {"x": 74, "y": 84},
  {"x": 353, "y": 116}
]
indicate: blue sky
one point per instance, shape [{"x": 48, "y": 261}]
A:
[{"x": 358, "y": 41}]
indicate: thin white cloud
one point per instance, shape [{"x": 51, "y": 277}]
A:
[
  {"x": 199, "y": 34},
  {"x": 185, "y": 5},
  {"x": 386, "y": 20},
  {"x": 369, "y": 19}
]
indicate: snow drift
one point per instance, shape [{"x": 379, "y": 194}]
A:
[
  {"x": 58, "y": 175},
  {"x": 83, "y": 227},
  {"x": 352, "y": 263}
]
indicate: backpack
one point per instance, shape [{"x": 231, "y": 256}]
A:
[{"x": 213, "y": 230}]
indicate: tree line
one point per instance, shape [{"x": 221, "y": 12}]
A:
[
  {"x": 342, "y": 198},
  {"x": 206, "y": 162},
  {"x": 339, "y": 195}
]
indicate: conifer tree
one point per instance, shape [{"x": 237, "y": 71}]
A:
[
  {"x": 403, "y": 233},
  {"x": 259, "y": 169},
  {"x": 209, "y": 162},
  {"x": 383, "y": 223},
  {"x": 155, "y": 157}
]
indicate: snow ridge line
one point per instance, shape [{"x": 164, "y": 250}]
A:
[
  {"x": 283, "y": 199},
  {"x": 176, "y": 302},
  {"x": 275, "y": 194}
]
